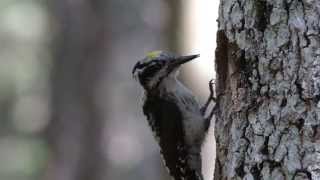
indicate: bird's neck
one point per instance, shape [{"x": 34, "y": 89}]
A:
[{"x": 168, "y": 84}]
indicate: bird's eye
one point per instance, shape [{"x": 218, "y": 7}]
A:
[
  {"x": 160, "y": 63},
  {"x": 151, "y": 70},
  {"x": 158, "y": 66}
]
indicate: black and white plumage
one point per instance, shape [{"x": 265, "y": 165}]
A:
[{"x": 173, "y": 114}]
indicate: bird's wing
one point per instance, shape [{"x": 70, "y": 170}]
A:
[{"x": 165, "y": 119}]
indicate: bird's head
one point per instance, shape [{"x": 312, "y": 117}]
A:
[{"x": 156, "y": 66}]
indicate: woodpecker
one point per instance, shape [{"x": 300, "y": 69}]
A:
[{"x": 175, "y": 117}]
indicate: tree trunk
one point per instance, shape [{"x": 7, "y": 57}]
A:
[
  {"x": 268, "y": 86},
  {"x": 75, "y": 130}
]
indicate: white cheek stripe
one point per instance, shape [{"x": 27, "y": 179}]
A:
[{"x": 154, "y": 80}]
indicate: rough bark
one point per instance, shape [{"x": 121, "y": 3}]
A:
[
  {"x": 75, "y": 130},
  {"x": 268, "y": 78}
]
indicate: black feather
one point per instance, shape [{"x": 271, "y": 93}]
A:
[{"x": 165, "y": 119}]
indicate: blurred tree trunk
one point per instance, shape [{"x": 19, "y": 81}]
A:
[
  {"x": 75, "y": 130},
  {"x": 268, "y": 77}
]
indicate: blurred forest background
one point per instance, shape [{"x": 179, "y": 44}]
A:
[{"x": 69, "y": 108}]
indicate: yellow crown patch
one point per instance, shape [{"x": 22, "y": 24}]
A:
[{"x": 153, "y": 54}]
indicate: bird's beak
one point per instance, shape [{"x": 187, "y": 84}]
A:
[{"x": 181, "y": 60}]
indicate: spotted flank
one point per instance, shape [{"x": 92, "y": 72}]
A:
[{"x": 164, "y": 118}]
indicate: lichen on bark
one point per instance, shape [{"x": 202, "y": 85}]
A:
[{"x": 268, "y": 81}]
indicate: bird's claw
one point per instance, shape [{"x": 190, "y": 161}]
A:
[{"x": 211, "y": 97}]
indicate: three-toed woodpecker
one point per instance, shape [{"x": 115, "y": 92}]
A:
[{"x": 174, "y": 115}]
